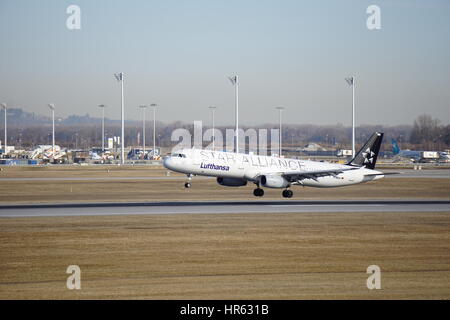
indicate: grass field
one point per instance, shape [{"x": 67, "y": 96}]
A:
[
  {"x": 207, "y": 189},
  {"x": 270, "y": 256},
  {"x": 280, "y": 255},
  {"x": 23, "y": 191}
]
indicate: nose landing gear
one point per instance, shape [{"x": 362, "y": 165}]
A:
[{"x": 188, "y": 183}]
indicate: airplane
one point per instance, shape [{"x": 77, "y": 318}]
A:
[
  {"x": 418, "y": 156},
  {"x": 412, "y": 155},
  {"x": 237, "y": 169}
]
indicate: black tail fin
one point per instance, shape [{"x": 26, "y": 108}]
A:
[{"x": 368, "y": 154}]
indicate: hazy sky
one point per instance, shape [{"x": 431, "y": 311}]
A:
[{"x": 178, "y": 53}]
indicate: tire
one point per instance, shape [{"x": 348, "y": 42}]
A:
[
  {"x": 258, "y": 192},
  {"x": 287, "y": 193}
]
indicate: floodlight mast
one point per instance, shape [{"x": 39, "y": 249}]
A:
[
  {"x": 235, "y": 81},
  {"x": 119, "y": 77},
  {"x": 103, "y": 126},
  {"x": 280, "y": 134},
  {"x": 213, "y": 109},
  {"x": 6, "y": 134},
  {"x": 351, "y": 82},
  {"x": 52, "y": 107},
  {"x": 154, "y": 105},
  {"x": 143, "y": 129}
]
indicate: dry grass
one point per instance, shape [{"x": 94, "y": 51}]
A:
[
  {"x": 35, "y": 191},
  {"x": 258, "y": 256},
  {"x": 226, "y": 256},
  {"x": 207, "y": 189}
]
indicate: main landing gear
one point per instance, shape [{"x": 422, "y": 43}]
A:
[
  {"x": 188, "y": 183},
  {"x": 258, "y": 192},
  {"x": 287, "y": 193}
]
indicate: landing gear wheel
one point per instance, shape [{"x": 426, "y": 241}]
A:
[
  {"x": 188, "y": 183},
  {"x": 258, "y": 192},
  {"x": 287, "y": 193}
]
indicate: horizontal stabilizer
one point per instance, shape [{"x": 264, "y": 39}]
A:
[{"x": 381, "y": 174}]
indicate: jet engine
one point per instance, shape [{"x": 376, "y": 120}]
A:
[
  {"x": 231, "y": 182},
  {"x": 274, "y": 181}
]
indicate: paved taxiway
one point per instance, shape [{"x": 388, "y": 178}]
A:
[
  {"x": 222, "y": 207},
  {"x": 403, "y": 173},
  {"x": 426, "y": 173},
  {"x": 95, "y": 178}
]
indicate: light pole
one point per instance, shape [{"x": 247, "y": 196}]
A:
[
  {"x": 143, "y": 129},
  {"x": 154, "y": 105},
  {"x": 213, "y": 109},
  {"x": 235, "y": 81},
  {"x": 279, "y": 119},
  {"x": 351, "y": 82},
  {"x": 119, "y": 77},
  {"x": 52, "y": 107},
  {"x": 6, "y": 134},
  {"x": 103, "y": 126}
]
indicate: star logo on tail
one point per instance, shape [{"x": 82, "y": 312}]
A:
[{"x": 368, "y": 156}]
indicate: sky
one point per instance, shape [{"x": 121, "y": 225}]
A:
[{"x": 179, "y": 54}]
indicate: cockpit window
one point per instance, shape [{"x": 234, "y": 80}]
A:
[{"x": 178, "y": 155}]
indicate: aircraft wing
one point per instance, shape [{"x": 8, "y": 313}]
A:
[{"x": 313, "y": 174}]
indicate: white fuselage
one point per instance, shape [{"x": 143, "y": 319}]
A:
[{"x": 250, "y": 167}]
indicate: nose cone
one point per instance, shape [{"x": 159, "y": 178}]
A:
[{"x": 168, "y": 162}]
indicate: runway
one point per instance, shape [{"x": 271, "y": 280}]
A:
[{"x": 222, "y": 207}]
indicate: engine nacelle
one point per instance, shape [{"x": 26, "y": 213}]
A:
[
  {"x": 273, "y": 181},
  {"x": 231, "y": 182}
]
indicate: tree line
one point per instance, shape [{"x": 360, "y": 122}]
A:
[{"x": 84, "y": 132}]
